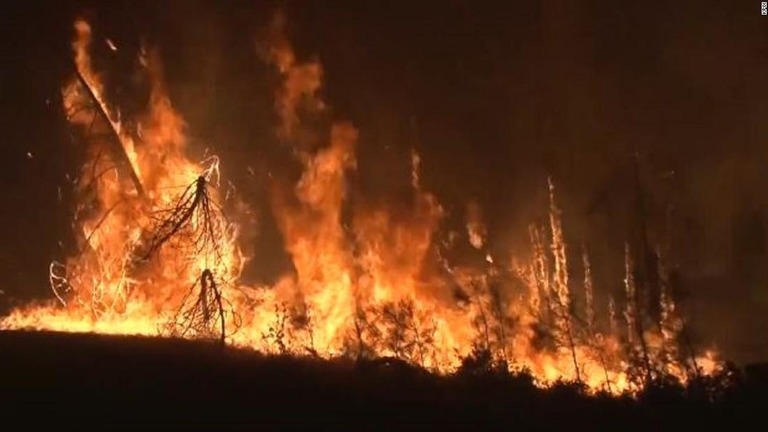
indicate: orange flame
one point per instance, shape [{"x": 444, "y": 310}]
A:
[{"x": 379, "y": 287}]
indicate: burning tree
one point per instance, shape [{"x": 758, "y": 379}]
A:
[
  {"x": 156, "y": 250},
  {"x": 195, "y": 226},
  {"x": 144, "y": 248},
  {"x": 201, "y": 311},
  {"x": 562, "y": 300}
]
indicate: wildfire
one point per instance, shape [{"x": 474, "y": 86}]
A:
[{"x": 159, "y": 255}]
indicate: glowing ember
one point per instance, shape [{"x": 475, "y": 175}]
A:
[{"x": 158, "y": 256}]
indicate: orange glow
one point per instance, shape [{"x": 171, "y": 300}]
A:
[{"x": 377, "y": 286}]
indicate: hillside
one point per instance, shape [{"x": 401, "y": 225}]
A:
[{"x": 107, "y": 379}]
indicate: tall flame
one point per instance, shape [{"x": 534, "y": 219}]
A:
[
  {"x": 158, "y": 255},
  {"x": 108, "y": 286}
]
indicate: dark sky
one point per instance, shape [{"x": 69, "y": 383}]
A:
[{"x": 494, "y": 95}]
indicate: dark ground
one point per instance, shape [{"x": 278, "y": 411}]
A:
[{"x": 93, "y": 380}]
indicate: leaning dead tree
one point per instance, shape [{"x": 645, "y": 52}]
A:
[
  {"x": 87, "y": 100},
  {"x": 185, "y": 235},
  {"x": 107, "y": 170}
]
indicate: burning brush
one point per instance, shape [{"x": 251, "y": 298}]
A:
[
  {"x": 203, "y": 312},
  {"x": 194, "y": 225},
  {"x": 158, "y": 251},
  {"x": 140, "y": 236},
  {"x": 194, "y": 217}
]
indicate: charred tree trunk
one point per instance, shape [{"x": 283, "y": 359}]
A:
[
  {"x": 641, "y": 272},
  {"x": 115, "y": 145}
]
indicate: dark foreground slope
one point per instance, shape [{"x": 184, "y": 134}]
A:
[{"x": 105, "y": 379}]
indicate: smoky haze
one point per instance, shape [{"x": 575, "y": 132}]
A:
[{"x": 494, "y": 98}]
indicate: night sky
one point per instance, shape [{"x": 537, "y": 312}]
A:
[{"x": 495, "y": 98}]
